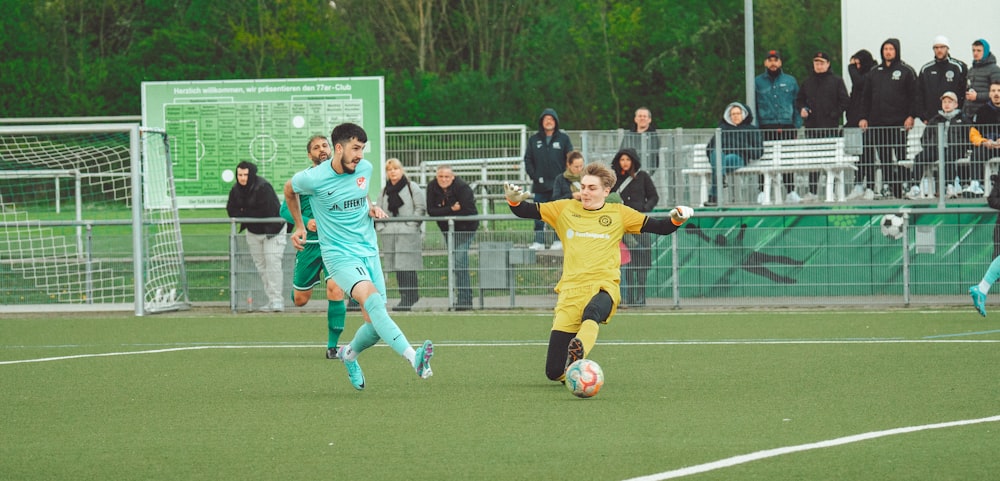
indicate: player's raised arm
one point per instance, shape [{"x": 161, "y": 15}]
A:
[
  {"x": 515, "y": 200},
  {"x": 678, "y": 216}
]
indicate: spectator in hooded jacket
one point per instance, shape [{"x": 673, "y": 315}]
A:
[
  {"x": 821, "y": 102},
  {"x": 889, "y": 104},
  {"x": 943, "y": 74},
  {"x": 741, "y": 143},
  {"x": 985, "y": 131},
  {"x": 861, "y": 63},
  {"x": 544, "y": 160},
  {"x": 637, "y": 191},
  {"x": 984, "y": 72},
  {"x": 253, "y": 196},
  {"x": 448, "y": 195}
]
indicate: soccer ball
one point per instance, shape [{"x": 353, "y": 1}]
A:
[
  {"x": 584, "y": 378},
  {"x": 892, "y": 226}
]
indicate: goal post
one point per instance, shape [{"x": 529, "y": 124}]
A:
[{"x": 90, "y": 220}]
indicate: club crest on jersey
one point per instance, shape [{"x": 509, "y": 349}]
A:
[
  {"x": 362, "y": 183},
  {"x": 604, "y": 220},
  {"x": 896, "y": 75}
]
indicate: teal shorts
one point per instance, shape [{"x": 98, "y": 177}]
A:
[
  {"x": 308, "y": 268},
  {"x": 349, "y": 271}
]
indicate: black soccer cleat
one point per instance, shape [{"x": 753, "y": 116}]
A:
[
  {"x": 574, "y": 352},
  {"x": 331, "y": 353}
]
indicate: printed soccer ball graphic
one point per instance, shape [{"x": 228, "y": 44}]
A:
[
  {"x": 584, "y": 378},
  {"x": 892, "y": 226}
]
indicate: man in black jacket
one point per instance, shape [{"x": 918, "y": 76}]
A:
[
  {"x": 253, "y": 196},
  {"x": 448, "y": 196},
  {"x": 943, "y": 74},
  {"x": 821, "y": 102},
  {"x": 544, "y": 160},
  {"x": 889, "y": 103}
]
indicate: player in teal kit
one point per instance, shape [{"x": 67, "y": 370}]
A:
[
  {"x": 309, "y": 260},
  {"x": 338, "y": 190}
]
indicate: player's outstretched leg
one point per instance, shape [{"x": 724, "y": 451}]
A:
[
  {"x": 350, "y": 361},
  {"x": 422, "y": 360},
  {"x": 978, "y": 299}
]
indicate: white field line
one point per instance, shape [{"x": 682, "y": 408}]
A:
[
  {"x": 733, "y": 342},
  {"x": 770, "y": 453}
]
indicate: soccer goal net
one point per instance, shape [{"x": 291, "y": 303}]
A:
[{"x": 89, "y": 219}]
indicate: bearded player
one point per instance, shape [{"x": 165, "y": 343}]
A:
[{"x": 590, "y": 230}]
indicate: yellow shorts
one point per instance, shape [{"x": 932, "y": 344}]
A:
[{"x": 572, "y": 301}]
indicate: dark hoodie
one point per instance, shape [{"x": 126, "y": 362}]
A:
[
  {"x": 640, "y": 193},
  {"x": 545, "y": 157},
  {"x": 890, "y": 94},
  {"x": 743, "y": 139},
  {"x": 858, "y": 77},
  {"x": 256, "y": 199}
]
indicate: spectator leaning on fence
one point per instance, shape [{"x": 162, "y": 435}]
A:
[
  {"x": 449, "y": 195},
  {"x": 253, "y": 196},
  {"x": 741, "y": 143},
  {"x": 943, "y": 74},
  {"x": 643, "y": 138},
  {"x": 402, "y": 242},
  {"x": 985, "y": 131},
  {"x": 957, "y": 134},
  {"x": 889, "y": 101},
  {"x": 984, "y": 72},
  {"x": 544, "y": 160}
]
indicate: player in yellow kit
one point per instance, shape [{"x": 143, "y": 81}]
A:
[{"x": 590, "y": 230}]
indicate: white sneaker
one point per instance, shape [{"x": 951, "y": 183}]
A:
[
  {"x": 556, "y": 246},
  {"x": 858, "y": 192},
  {"x": 277, "y": 306},
  {"x": 914, "y": 193},
  {"x": 793, "y": 198},
  {"x": 950, "y": 192},
  {"x": 536, "y": 246},
  {"x": 975, "y": 188},
  {"x": 760, "y": 197},
  {"x": 810, "y": 197},
  {"x": 869, "y": 194}
]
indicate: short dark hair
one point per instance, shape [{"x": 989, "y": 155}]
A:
[
  {"x": 311, "y": 139},
  {"x": 347, "y": 131},
  {"x": 978, "y": 43}
]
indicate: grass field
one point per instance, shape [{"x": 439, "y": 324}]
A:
[{"x": 215, "y": 396}]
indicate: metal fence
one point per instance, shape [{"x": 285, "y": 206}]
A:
[{"x": 722, "y": 259}]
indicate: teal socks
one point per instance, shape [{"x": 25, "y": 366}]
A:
[{"x": 384, "y": 325}]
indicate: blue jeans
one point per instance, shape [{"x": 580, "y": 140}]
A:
[
  {"x": 463, "y": 285},
  {"x": 730, "y": 162},
  {"x": 540, "y": 229}
]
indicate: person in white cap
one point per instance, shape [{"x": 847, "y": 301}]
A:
[{"x": 943, "y": 74}]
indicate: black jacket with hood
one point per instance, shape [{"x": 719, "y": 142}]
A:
[
  {"x": 256, "y": 199},
  {"x": 743, "y": 139},
  {"x": 891, "y": 91},
  {"x": 640, "y": 193},
  {"x": 545, "y": 157},
  {"x": 859, "y": 75}
]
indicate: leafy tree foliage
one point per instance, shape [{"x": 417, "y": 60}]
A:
[{"x": 445, "y": 61}]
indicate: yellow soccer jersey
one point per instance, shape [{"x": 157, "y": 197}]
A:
[{"x": 590, "y": 239}]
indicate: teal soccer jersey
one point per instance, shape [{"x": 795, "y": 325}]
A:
[{"x": 340, "y": 206}]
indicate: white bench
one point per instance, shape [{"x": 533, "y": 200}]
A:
[
  {"x": 824, "y": 155},
  {"x": 784, "y": 156}
]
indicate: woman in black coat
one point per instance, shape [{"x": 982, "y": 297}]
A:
[{"x": 637, "y": 191}]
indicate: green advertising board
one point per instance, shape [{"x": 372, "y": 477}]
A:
[{"x": 214, "y": 125}]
